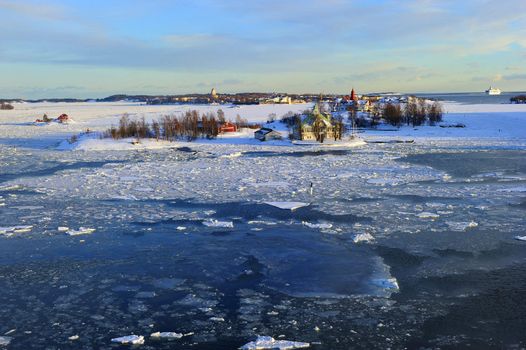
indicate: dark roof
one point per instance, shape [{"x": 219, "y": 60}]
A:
[{"x": 265, "y": 130}]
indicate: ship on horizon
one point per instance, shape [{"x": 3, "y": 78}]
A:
[{"x": 492, "y": 91}]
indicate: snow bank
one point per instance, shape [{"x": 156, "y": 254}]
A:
[
  {"x": 269, "y": 343},
  {"x": 127, "y": 144}
]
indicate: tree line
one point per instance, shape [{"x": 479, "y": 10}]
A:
[
  {"x": 190, "y": 126},
  {"x": 415, "y": 112}
]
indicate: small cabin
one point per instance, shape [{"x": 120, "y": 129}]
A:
[
  {"x": 227, "y": 127},
  {"x": 63, "y": 118},
  {"x": 266, "y": 134}
]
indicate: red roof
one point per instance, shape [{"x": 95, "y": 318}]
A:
[{"x": 228, "y": 127}]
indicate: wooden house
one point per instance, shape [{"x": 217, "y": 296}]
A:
[
  {"x": 267, "y": 134},
  {"x": 227, "y": 127},
  {"x": 316, "y": 126}
]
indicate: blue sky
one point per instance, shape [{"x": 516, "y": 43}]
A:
[{"x": 96, "y": 48}]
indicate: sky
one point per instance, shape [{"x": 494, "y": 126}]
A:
[{"x": 95, "y": 48}]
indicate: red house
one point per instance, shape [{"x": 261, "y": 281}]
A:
[
  {"x": 227, "y": 127},
  {"x": 63, "y": 118}
]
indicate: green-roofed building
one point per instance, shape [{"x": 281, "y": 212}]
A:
[{"x": 316, "y": 126}]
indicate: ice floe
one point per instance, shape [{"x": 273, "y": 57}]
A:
[
  {"x": 217, "y": 223},
  {"x": 461, "y": 226},
  {"x": 428, "y": 215},
  {"x": 269, "y": 343},
  {"x": 520, "y": 238},
  {"x": 9, "y": 231},
  {"x": 288, "y": 205},
  {"x": 80, "y": 231},
  {"x": 363, "y": 238},
  {"x": 129, "y": 340},
  {"x": 386, "y": 283},
  {"x": 319, "y": 225},
  {"x": 166, "y": 335},
  {"x": 4, "y": 341}
]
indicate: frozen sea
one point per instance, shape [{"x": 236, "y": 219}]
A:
[{"x": 398, "y": 245}]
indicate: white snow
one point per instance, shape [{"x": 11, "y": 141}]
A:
[
  {"x": 217, "y": 223},
  {"x": 269, "y": 343},
  {"x": 80, "y": 231},
  {"x": 288, "y": 205},
  {"x": 129, "y": 340}
]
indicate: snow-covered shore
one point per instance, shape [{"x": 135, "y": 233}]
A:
[{"x": 498, "y": 121}]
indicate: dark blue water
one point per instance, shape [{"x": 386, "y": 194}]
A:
[{"x": 140, "y": 274}]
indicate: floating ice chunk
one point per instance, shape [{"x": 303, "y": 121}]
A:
[
  {"x": 265, "y": 342},
  {"x": 288, "y": 205},
  {"x": 320, "y": 225},
  {"x": 363, "y": 238},
  {"x": 63, "y": 228},
  {"x": 461, "y": 226},
  {"x": 129, "y": 339},
  {"x": 217, "y": 319},
  {"x": 217, "y": 223},
  {"x": 180, "y": 228},
  {"x": 261, "y": 222},
  {"x": 4, "y": 341},
  {"x": 167, "y": 335},
  {"x": 74, "y": 337},
  {"x": 145, "y": 295},
  {"x": 9, "y": 231},
  {"x": 387, "y": 283},
  {"x": 80, "y": 231},
  {"x": 428, "y": 215},
  {"x": 520, "y": 238}
]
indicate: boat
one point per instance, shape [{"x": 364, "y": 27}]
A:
[{"x": 491, "y": 91}]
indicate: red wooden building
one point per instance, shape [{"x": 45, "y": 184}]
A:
[
  {"x": 227, "y": 127},
  {"x": 63, "y": 118}
]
